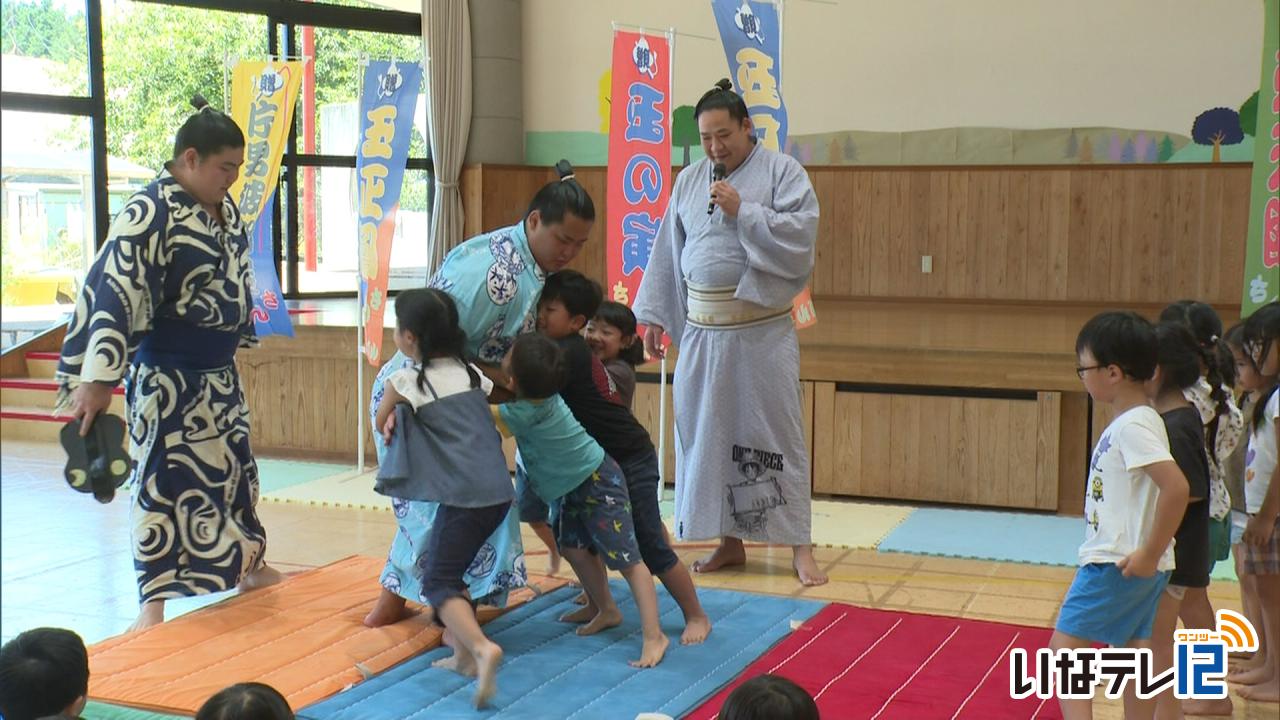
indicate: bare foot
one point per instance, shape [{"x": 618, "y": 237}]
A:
[
  {"x": 151, "y": 614},
  {"x": 1253, "y": 676},
  {"x": 487, "y": 661},
  {"x": 652, "y": 652},
  {"x": 582, "y": 598},
  {"x": 461, "y": 662},
  {"x": 553, "y": 563},
  {"x": 603, "y": 621},
  {"x": 581, "y": 615},
  {"x": 1267, "y": 692},
  {"x": 696, "y": 629},
  {"x": 726, "y": 555},
  {"x": 262, "y": 577},
  {"x": 807, "y": 568},
  {"x": 1221, "y": 706},
  {"x": 390, "y": 608}
]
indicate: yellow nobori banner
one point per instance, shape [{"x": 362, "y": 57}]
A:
[{"x": 263, "y": 94}]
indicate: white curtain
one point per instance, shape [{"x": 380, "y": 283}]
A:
[{"x": 446, "y": 39}]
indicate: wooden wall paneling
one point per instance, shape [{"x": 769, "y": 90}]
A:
[
  {"x": 1079, "y": 254},
  {"x": 1022, "y": 478},
  {"x": 992, "y": 480},
  {"x": 1116, "y": 233},
  {"x": 1146, "y": 248},
  {"x": 975, "y": 228},
  {"x": 877, "y": 257},
  {"x": 1101, "y": 232},
  {"x": 1047, "y": 455},
  {"x": 957, "y": 270},
  {"x": 916, "y": 232},
  {"x": 935, "y": 283},
  {"x": 935, "y": 437},
  {"x": 807, "y": 399},
  {"x": 1122, "y": 267},
  {"x": 1187, "y": 242},
  {"x": 1073, "y": 452},
  {"x": 996, "y": 251},
  {"x": 823, "y": 279},
  {"x": 471, "y": 187},
  {"x": 904, "y": 273},
  {"x": 1179, "y": 221},
  {"x": 902, "y": 473},
  {"x": 846, "y": 232},
  {"x": 966, "y": 445},
  {"x": 1209, "y": 276},
  {"x": 861, "y": 230},
  {"x": 1018, "y": 246},
  {"x": 1229, "y": 243},
  {"x": 846, "y": 432},
  {"x": 646, "y": 411},
  {"x": 1102, "y": 417},
  {"x": 824, "y": 437}
]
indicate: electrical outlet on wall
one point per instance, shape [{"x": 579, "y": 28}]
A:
[{"x": 926, "y": 263}]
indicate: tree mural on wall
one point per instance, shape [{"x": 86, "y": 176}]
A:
[
  {"x": 1128, "y": 153},
  {"x": 1151, "y": 154},
  {"x": 684, "y": 130},
  {"x": 834, "y": 154},
  {"x": 1073, "y": 146},
  {"x": 1217, "y": 127},
  {"x": 1114, "y": 150},
  {"x": 1166, "y": 149},
  {"x": 850, "y": 150},
  {"x": 1249, "y": 115},
  {"x": 1086, "y": 151}
]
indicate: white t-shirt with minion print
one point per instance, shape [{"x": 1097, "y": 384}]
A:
[{"x": 1120, "y": 499}]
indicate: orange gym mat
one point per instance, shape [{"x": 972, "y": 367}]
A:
[{"x": 304, "y": 636}]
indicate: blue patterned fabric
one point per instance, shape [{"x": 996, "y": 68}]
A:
[
  {"x": 168, "y": 264},
  {"x": 495, "y": 282}
]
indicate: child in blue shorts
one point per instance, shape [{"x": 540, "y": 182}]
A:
[
  {"x": 583, "y": 486},
  {"x": 1135, "y": 499}
]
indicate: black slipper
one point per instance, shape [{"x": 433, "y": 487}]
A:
[{"x": 97, "y": 463}]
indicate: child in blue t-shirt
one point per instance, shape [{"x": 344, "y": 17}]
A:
[{"x": 585, "y": 488}]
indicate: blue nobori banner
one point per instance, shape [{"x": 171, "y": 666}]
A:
[{"x": 752, "y": 36}]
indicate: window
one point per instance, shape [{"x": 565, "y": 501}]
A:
[
  {"x": 45, "y": 47},
  {"x": 46, "y": 213},
  {"x": 326, "y": 143},
  {"x": 92, "y": 92}
]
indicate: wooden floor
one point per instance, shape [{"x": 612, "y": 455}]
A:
[{"x": 66, "y": 563}]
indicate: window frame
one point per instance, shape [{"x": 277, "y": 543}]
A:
[{"x": 284, "y": 20}]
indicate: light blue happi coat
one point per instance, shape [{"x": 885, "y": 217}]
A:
[{"x": 495, "y": 282}]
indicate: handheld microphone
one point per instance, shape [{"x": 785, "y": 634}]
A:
[{"x": 717, "y": 174}]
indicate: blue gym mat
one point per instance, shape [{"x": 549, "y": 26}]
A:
[
  {"x": 274, "y": 475},
  {"x": 996, "y": 535},
  {"x": 551, "y": 673}
]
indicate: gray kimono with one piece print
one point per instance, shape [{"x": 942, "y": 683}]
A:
[{"x": 742, "y": 467}]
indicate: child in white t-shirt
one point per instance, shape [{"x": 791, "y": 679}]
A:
[
  {"x": 1134, "y": 501},
  {"x": 1260, "y": 555}
]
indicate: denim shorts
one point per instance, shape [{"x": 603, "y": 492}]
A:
[
  {"x": 642, "y": 486},
  {"x": 1104, "y": 606}
]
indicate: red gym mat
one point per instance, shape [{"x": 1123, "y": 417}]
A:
[{"x": 860, "y": 663}]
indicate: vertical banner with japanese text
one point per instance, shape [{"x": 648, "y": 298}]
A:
[
  {"x": 1262, "y": 245},
  {"x": 751, "y": 33},
  {"x": 387, "y": 100},
  {"x": 639, "y": 177},
  {"x": 263, "y": 94}
]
